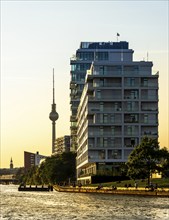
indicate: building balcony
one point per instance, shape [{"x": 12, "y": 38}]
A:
[
  {"x": 130, "y": 72},
  {"x": 149, "y": 85},
  {"x": 108, "y": 145},
  {"x": 128, "y": 86},
  {"x": 131, "y": 134},
  {"x": 149, "y": 122},
  {"x": 131, "y": 121},
  {"x": 149, "y": 97},
  {"x": 105, "y": 134},
  {"x": 130, "y": 97},
  {"x": 73, "y": 86},
  {"x": 73, "y": 118},
  {"x": 107, "y": 73},
  {"x": 154, "y": 133},
  {"x": 149, "y": 109},
  {"x": 131, "y": 110}
]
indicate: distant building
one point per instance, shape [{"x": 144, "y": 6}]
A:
[
  {"x": 117, "y": 108},
  {"x": 9, "y": 171},
  {"x": 62, "y": 144},
  {"x": 11, "y": 164},
  {"x": 31, "y": 159}
]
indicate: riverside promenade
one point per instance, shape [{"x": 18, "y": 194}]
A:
[{"x": 119, "y": 191}]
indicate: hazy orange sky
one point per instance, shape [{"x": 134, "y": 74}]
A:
[{"x": 37, "y": 36}]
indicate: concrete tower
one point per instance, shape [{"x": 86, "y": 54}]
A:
[
  {"x": 53, "y": 117},
  {"x": 11, "y": 164}
]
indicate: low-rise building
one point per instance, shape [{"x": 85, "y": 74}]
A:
[
  {"x": 31, "y": 159},
  {"x": 62, "y": 144}
]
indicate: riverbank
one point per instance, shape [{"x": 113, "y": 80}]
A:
[
  {"x": 161, "y": 183},
  {"x": 119, "y": 191}
]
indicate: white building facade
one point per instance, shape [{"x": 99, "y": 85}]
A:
[{"x": 118, "y": 107}]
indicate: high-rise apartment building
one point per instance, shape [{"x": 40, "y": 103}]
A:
[
  {"x": 118, "y": 107},
  {"x": 80, "y": 63}
]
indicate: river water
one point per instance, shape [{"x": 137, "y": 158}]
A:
[{"x": 76, "y": 206}]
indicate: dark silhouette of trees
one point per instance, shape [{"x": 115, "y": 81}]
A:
[
  {"x": 55, "y": 169},
  {"x": 147, "y": 158}
]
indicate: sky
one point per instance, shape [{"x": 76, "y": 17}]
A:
[{"x": 37, "y": 36}]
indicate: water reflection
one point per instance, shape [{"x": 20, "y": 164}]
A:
[{"x": 67, "y": 206}]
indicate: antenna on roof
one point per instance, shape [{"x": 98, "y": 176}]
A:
[
  {"x": 147, "y": 56},
  {"x": 118, "y": 35}
]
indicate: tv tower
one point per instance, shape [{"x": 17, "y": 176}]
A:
[{"x": 53, "y": 117}]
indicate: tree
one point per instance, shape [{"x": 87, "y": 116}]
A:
[
  {"x": 20, "y": 174},
  {"x": 164, "y": 155},
  {"x": 146, "y": 159},
  {"x": 57, "y": 168}
]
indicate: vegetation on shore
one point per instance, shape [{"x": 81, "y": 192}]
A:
[
  {"x": 54, "y": 169},
  {"x": 161, "y": 183},
  {"x": 145, "y": 159}
]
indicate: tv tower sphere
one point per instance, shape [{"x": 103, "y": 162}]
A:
[{"x": 53, "y": 116}]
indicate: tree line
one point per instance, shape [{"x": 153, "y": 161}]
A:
[
  {"x": 55, "y": 169},
  {"x": 145, "y": 159}
]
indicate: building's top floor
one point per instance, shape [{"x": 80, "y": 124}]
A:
[
  {"x": 63, "y": 137},
  {"x": 111, "y": 51},
  {"x": 104, "y": 45}
]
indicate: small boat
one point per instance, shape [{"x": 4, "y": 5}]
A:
[{"x": 35, "y": 188}]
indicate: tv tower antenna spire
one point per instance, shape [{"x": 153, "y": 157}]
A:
[
  {"x": 53, "y": 87},
  {"x": 53, "y": 117}
]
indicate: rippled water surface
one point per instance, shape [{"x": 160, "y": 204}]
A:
[{"x": 55, "y": 205}]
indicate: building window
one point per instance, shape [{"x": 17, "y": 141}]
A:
[
  {"x": 98, "y": 94},
  {"x": 105, "y": 118},
  {"x": 101, "y": 130},
  {"x": 101, "y": 154},
  {"x": 145, "y": 82},
  {"x": 101, "y": 55},
  {"x": 101, "y": 106},
  {"x": 114, "y": 154},
  {"x": 101, "y": 142},
  {"x": 130, "y": 82},
  {"x": 113, "y": 130},
  {"x": 129, "y": 106},
  {"x": 105, "y": 142},
  {"x": 101, "y": 82},
  {"x": 73, "y": 76},
  {"x": 112, "y": 142},
  {"x": 73, "y": 67},
  {"x": 145, "y": 118},
  {"x": 112, "y": 118},
  {"x": 101, "y": 118},
  {"x": 129, "y": 130},
  {"x": 86, "y": 56},
  {"x": 101, "y": 70},
  {"x": 95, "y": 83},
  {"x": 134, "y": 94}
]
